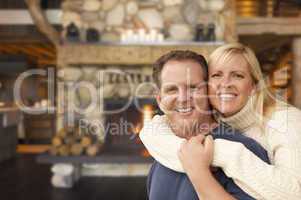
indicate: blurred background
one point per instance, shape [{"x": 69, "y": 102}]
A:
[{"x": 81, "y": 70}]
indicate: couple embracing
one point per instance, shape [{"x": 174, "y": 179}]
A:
[{"x": 223, "y": 135}]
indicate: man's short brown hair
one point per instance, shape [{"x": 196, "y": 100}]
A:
[{"x": 178, "y": 55}]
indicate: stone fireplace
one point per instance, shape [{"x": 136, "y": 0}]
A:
[
  {"x": 110, "y": 101},
  {"x": 104, "y": 85},
  {"x": 108, "y": 90}
]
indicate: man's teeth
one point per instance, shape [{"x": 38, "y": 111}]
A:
[
  {"x": 184, "y": 110},
  {"x": 227, "y": 96}
]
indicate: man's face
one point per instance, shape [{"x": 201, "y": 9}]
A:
[{"x": 183, "y": 95}]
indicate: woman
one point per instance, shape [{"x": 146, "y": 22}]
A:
[{"x": 238, "y": 93}]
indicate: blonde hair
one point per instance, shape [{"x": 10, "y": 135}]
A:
[{"x": 264, "y": 101}]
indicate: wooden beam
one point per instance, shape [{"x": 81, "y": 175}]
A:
[
  {"x": 42, "y": 22},
  {"x": 125, "y": 54},
  {"x": 45, "y": 62},
  {"x": 40, "y": 50},
  {"x": 41, "y": 54},
  {"x": 24, "y": 50},
  {"x": 14, "y": 49},
  {"x": 296, "y": 73},
  {"x": 272, "y": 25},
  {"x": 6, "y": 49},
  {"x": 50, "y": 47},
  {"x": 32, "y": 148}
]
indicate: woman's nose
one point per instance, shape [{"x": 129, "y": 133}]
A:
[{"x": 225, "y": 82}]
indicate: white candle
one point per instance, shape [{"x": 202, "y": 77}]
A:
[
  {"x": 135, "y": 38},
  {"x": 153, "y": 35},
  {"x": 160, "y": 37},
  {"x": 123, "y": 37},
  {"x": 153, "y": 32},
  {"x": 141, "y": 35},
  {"x": 129, "y": 35},
  {"x": 148, "y": 38}
]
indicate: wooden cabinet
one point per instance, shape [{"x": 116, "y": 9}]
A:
[
  {"x": 39, "y": 128},
  {"x": 8, "y": 138}
]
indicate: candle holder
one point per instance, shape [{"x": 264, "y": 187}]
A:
[
  {"x": 92, "y": 35},
  {"x": 200, "y": 33},
  {"x": 210, "y": 36},
  {"x": 72, "y": 33}
]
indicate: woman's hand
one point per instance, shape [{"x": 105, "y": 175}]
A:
[{"x": 196, "y": 154}]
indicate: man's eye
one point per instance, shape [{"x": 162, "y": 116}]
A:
[
  {"x": 170, "y": 90},
  {"x": 215, "y": 75},
  {"x": 195, "y": 88}
]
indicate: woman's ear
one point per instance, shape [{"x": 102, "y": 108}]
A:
[
  {"x": 253, "y": 91},
  {"x": 255, "y": 88}
]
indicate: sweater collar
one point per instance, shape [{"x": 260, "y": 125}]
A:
[{"x": 242, "y": 120}]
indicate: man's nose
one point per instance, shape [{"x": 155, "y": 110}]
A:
[{"x": 184, "y": 95}]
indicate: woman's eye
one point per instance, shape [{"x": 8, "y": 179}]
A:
[{"x": 240, "y": 76}]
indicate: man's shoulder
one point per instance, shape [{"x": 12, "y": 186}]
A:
[
  {"x": 157, "y": 167},
  {"x": 159, "y": 171},
  {"x": 164, "y": 183}
]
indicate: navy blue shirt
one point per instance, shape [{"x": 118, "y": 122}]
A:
[{"x": 166, "y": 184}]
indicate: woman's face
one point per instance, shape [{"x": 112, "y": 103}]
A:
[{"x": 230, "y": 85}]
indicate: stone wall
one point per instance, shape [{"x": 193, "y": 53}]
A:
[
  {"x": 82, "y": 91},
  {"x": 175, "y": 19}
]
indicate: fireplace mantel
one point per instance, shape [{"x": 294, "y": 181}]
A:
[{"x": 125, "y": 54}]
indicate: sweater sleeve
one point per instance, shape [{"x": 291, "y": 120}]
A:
[
  {"x": 161, "y": 143},
  {"x": 279, "y": 180}
]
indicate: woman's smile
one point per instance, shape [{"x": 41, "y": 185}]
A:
[{"x": 226, "y": 96}]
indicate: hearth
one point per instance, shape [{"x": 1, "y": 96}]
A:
[{"x": 122, "y": 128}]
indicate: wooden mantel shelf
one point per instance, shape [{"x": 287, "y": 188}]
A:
[
  {"x": 125, "y": 54},
  {"x": 273, "y": 25}
]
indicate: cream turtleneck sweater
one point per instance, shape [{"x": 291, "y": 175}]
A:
[{"x": 280, "y": 136}]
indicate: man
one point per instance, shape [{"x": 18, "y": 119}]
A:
[{"x": 181, "y": 78}]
